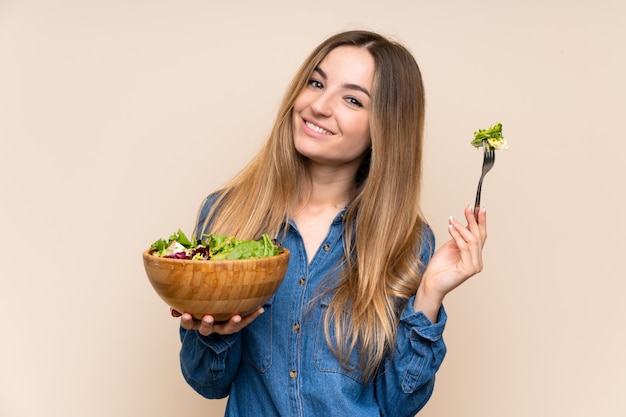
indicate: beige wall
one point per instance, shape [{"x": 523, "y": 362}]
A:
[{"x": 117, "y": 117}]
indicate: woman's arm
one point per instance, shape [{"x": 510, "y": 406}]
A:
[
  {"x": 209, "y": 363},
  {"x": 211, "y": 352},
  {"x": 406, "y": 382}
]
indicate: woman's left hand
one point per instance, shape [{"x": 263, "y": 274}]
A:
[{"x": 452, "y": 264}]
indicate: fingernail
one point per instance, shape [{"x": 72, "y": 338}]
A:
[
  {"x": 207, "y": 320},
  {"x": 261, "y": 310}
]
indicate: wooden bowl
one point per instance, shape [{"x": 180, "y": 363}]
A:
[{"x": 219, "y": 288}]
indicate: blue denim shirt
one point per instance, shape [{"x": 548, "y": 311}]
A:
[{"x": 281, "y": 365}]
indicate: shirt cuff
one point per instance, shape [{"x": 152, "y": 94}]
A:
[
  {"x": 421, "y": 325},
  {"x": 216, "y": 342}
]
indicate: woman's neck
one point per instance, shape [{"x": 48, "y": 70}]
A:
[
  {"x": 327, "y": 193},
  {"x": 329, "y": 188}
]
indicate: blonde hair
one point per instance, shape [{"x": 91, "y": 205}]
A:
[{"x": 383, "y": 223}]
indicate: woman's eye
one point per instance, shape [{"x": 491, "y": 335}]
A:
[
  {"x": 354, "y": 101},
  {"x": 315, "y": 84}
]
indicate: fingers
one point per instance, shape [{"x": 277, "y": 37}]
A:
[
  {"x": 207, "y": 325},
  {"x": 464, "y": 236},
  {"x": 465, "y": 241},
  {"x": 204, "y": 326},
  {"x": 477, "y": 220},
  {"x": 469, "y": 241}
]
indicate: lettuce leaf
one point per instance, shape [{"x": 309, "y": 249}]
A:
[
  {"x": 213, "y": 247},
  {"x": 493, "y": 136}
]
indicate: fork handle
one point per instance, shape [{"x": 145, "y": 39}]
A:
[
  {"x": 477, "y": 201},
  {"x": 476, "y": 211}
]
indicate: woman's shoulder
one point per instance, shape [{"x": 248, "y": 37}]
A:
[
  {"x": 427, "y": 233},
  {"x": 205, "y": 209},
  {"x": 428, "y": 243}
]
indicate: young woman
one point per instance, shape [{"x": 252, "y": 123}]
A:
[{"x": 356, "y": 327}]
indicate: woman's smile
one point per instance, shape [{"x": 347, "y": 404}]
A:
[{"x": 317, "y": 128}]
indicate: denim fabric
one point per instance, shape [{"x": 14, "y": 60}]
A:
[{"x": 281, "y": 365}]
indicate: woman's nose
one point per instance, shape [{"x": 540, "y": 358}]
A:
[{"x": 322, "y": 105}]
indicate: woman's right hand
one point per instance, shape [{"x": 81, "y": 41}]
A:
[{"x": 207, "y": 325}]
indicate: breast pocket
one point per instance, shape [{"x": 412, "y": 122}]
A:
[
  {"x": 324, "y": 358},
  {"x": 257, "y": 339}
]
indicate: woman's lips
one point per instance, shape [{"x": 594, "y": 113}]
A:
[{"x": 317, "y": 128}]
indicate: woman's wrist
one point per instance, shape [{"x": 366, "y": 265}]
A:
[{"x": 428, "y": 301}]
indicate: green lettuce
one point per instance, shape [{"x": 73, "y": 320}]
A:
[
  {"x": 493, "y": 136},
  {"x": 213, "y": 247}
]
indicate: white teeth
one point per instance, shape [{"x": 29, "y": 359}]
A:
[{"x": 317, "y": 128}]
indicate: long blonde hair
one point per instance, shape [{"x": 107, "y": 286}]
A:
[{"x": 383, "y": 223}]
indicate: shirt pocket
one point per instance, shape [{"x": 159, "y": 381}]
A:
[
  {"x": 323, "y": 356},
  {"x": 257, "y": 339}
]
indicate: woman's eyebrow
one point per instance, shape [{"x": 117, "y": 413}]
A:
[{"x": 349, "y": 86}]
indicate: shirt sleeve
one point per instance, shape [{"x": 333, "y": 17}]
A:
[
  {"x": 406, "y": 383},
  {"x": 209, "y": 363}
]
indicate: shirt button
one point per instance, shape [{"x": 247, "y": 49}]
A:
[
  {"x": 293, "y": 374},
  {"x": 302, "y": 281},
  {"x": 326, "y": 248},
  {"x": 296, "y": 327}
]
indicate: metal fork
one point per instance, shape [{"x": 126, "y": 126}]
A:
[{"x": 489, "y": 159}]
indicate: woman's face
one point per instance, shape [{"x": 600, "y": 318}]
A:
[{"x": 331, "y": 114}]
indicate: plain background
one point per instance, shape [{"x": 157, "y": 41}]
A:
[{"x": 118, "y": 117}]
